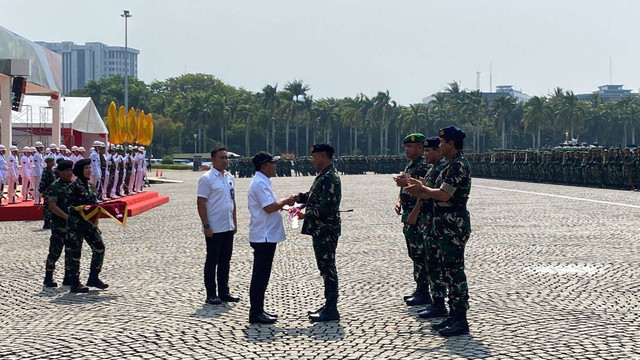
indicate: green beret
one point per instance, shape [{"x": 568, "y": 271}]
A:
[{"x": 415, "y": 138}]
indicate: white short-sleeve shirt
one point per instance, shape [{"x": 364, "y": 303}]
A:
[
  {"x": 219, "y": 190},
  {"x": 263, "y": 227}
]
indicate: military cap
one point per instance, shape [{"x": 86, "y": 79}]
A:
[
  {"x": 415, "y": 138},
  {"x": 432, "y": 142},
  {"x": 112, "y": 149},
  {"x": 65, "y": 164},
  {"x": 263, "y": 157},
  {"x": 322, "y": 147},
  {"x": 49, "y": 159},
  {"x": 452, "y": 133}
]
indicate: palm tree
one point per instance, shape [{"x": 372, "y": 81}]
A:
[
  {"x": 474, "y": 111},
  {"x": 310, "y": 112},
  {"x": 382, "y": 111},
  {"x": 270, "y": 102},
  {"x": 503, "y": 108},
  {"x": 298, "y": 90},
  {"x": 200, "y": 111},
  {"x": 414, "y": 117},
  {"x": 537, "y": 114}
]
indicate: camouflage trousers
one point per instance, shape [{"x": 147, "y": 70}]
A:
[
  {"x": 417, "y": 251},
  {"x": 77, "y": 230},
  {"x": 324, "y": 248},
  {"x": 56, "y": 244},
  {"x": 434, "y": 260},
  {"x": 450, "y": 234},
  {"x": 46, "y": 212}
]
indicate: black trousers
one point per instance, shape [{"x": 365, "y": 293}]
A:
[
  {"x": 262, "y": 259},
  {"x": 219, "y": 249}
]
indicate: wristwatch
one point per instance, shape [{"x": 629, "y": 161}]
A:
[{"x": 206, "y": 226}]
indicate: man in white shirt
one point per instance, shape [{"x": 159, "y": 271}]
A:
[
  {"x": 25, "y": 172},
  {"x": 217, "y": 211},
  {"x": 37, "y": 171},
  {"x": 96, "y": 171},
  {"x": 265, "y": 231},
  {"x": 3, "y": 172}
]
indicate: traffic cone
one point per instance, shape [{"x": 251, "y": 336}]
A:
[
  {"x": 156, "y": 173},
  {"x": 161, "y": 174}
]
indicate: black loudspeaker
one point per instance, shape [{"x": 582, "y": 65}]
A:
[{"x": 18, "y": 88}]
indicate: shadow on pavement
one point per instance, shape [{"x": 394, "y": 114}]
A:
[
  {"x": 52, "y": 292},
  {"x": 209, "y": 311},
  {"x": 464, "y": 346},
  {"x": 329, "y": 331},
  {"x": 93, "y": 296}
]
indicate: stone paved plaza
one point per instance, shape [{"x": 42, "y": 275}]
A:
[{"x": 553, "y": 273}]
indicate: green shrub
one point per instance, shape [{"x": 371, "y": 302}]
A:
[{"x": 167, "y": 160}]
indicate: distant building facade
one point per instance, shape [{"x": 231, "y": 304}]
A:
[
  {"x": 608, "y": 93},
  {"x": 92, "y": 61},
  {"x": 501, "y": 91}
]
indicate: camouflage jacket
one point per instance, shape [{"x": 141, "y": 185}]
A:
[
  {"x": 322, "y": 216},
  {"x": 415, "y": 169},
  {"x": 47, "y": 179},
  {"x": 80, "y": 193},
  {"x": 455, "y": 179},
  {"x": 59, "y": 192},
  {"x": 426, "y": 206}
]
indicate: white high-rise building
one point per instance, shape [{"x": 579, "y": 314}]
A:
[{"x": 91, "y": 61}]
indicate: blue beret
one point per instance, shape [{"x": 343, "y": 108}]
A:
[
  {"x": 452, "y": 133},
  {"x": 432, "y": 142}
]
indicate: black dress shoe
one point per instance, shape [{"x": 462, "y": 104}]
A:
[
  {"x": 275, "y": 316},
  {"x": 327, "y": 314},
  {"x": 213, "y": 300},
  {"x": 261, "y": 319},
  {"x": 229, "y": 298}
]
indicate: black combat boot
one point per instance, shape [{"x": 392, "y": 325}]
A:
[
  {"x": 409, "y": 296},
  {"x": 94, "y": 281},
  {"x": 422, "y": 297},
  {"x": 47, "y": 225},
  {"x": 67, "y": 279},
  {"x": 48, "y": 280},
  {"x": 444, "y": 323},
  {"x": 77, "y": 287},
  {"x": 437, "y": 309},
  {"x": 459, "y": 326}
]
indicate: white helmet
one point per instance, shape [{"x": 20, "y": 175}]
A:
[
  {"x": 38, "y": 144},
  {"x": 33, "y": 149},
  {"x": 92, "y": 149},
  {"x": 13, "y": 148},
  {"x": 74, "y": 148},
  {"x": 62, "y": 147},
  {"x": 96, "y": 144},
  {"x": 26, "y": 149},
  {"x": 81, "y": 149},
  {"x": 2, "y": 147},
  {"x": 141, "y": 148},
  {"x": 53, "y": 146}
]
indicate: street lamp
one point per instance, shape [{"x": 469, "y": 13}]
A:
[
  {"x": 125, "y": 14},
  {"x": 195, "y": 142}
]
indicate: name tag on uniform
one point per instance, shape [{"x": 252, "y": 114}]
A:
[{"x": 232, "y": 192}]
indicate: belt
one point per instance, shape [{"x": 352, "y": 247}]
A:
[{"x": 448, "y": 209}]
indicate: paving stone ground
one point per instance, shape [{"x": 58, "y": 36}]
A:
[{"x": 550, "y": 277}]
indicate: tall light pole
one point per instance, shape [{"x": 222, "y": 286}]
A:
[
  {"x": 125, "y": 14},
  {"x": 195, "y": 143}
]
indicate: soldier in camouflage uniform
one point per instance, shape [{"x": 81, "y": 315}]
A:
[
  {"x": 82, "y": 192},
  {"x": 47, "y": 179},
  {"x": 56, "y": 199},
  {"x": 416, "y": 169},
  {"x": 322, "y": 222},
  {"x": 451, "y": 225},
  {"x": 437, "y": 285}
]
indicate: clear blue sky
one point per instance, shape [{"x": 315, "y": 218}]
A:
[{"x": 413, "y": 48}]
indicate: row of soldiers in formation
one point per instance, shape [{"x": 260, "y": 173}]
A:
[
  {"x": 611, "y": 168},
  {"x": 113, "y": 173},
  {"x": 347, "y": 165}
]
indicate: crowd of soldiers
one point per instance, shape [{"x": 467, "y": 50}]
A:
[
  {"x": 113, "y": 172},
  {"x": 346, "y": 165},
  {"x": 596, "y": 167}
]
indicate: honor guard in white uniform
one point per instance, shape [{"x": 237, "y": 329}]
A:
[
  {"x": 140, "y": 169},
  {"x": 81, "y": 152},
  {"x": 74, "y": 154},
  {"x": 107, "y": 173},
  {"x": 12, "y": 173},
  {"x": 96, "y": 172},
  {"x": 132, "y": 178},
  {"x": 116, "y": 160},
  {"x": 61, "y": 153},
  {"x": 3, "y": 172},
  {"x": 25, "y": 172},
  {"x": 38, "y": 162}
]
